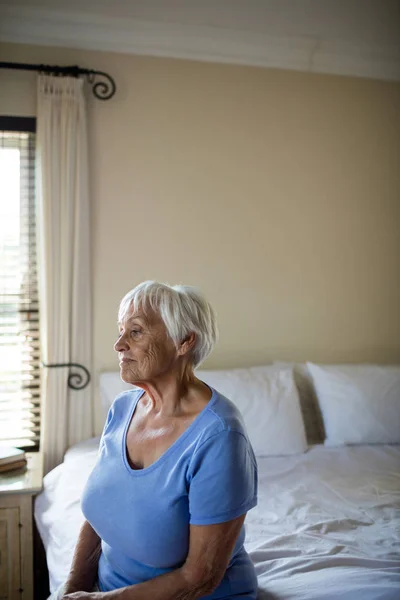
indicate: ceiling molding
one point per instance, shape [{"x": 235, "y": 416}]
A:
[{"x": 204, "y": 43}]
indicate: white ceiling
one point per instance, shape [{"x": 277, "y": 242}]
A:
[{"x": 350, "y": 37}]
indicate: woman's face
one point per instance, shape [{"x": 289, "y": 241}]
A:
[{"x": 144, "y": 347}]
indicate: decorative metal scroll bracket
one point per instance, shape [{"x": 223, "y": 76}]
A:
[
  {"x": 103, "y": 89},
  {"x": 76, "y": 381}
]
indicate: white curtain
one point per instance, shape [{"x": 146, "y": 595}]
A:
[{"x": 64, "y": 261}]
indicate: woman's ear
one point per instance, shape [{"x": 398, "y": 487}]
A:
[{"x": 187, "y": 344}]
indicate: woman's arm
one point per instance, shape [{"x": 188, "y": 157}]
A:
[
  {"x": 211, "y": 547},
  {"x": 83, "y": 573}
]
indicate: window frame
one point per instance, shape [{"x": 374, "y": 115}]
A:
[
  {"x": 20, "y": 124},
  {"x": 24, "y": 124}
]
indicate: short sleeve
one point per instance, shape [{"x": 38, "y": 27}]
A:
[
  {"x": 106, "y": 424},
  {"x": 222, "y": 479}
]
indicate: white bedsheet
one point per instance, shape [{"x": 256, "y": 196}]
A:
[{"x": 327, "y": 525}]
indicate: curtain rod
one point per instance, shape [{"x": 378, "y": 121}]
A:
[{"x": 103, "y": 90}]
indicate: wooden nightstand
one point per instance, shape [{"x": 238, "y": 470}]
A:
[{"x": 16, "y": 540}]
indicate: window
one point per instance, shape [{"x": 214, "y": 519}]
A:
[{"x": 19, "y": 308}]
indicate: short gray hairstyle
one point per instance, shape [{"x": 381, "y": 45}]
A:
[{"x": 183, "y": 309}]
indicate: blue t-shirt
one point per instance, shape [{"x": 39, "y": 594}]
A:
[{"x": 208, "y": 475}]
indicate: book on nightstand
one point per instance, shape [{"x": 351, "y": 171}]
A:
[{"x": 11, "y": 458}]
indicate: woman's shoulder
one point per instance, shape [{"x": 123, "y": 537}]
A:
[
  {"x": 223, "y": 415},
  {"x": 221, "y": 440},
  {"x": 123, "y": 402}
]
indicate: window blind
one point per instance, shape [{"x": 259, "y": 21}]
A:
[{"x": 20, "y": 406}]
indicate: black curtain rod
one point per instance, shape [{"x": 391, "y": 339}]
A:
[{"x": 103, "y": 90}]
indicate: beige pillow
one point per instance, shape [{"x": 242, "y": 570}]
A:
[{"x": 310, "y": 409}]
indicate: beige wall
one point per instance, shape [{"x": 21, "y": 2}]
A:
[{"x": 275, "y": 192}]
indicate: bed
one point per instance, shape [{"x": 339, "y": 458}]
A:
[{"x": 327, "y": 524}]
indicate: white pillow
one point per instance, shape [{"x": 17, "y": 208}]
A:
[
  {"x": 268, "y": 399},
  {"x": 360, "y": 404},
  {"x": 111, "y": 385}
]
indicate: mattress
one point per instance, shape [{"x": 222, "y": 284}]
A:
[{"x": 327, "y": 524}]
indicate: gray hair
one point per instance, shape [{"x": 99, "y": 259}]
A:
[{"x": 183, "y": 309}]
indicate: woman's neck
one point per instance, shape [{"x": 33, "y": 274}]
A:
[{"x": 169, "y": 393}]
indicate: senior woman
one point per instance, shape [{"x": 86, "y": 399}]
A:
[{"x": 166, "y": 501}]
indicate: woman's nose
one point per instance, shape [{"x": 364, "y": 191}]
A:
[{"x": 121, "y": 344}]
